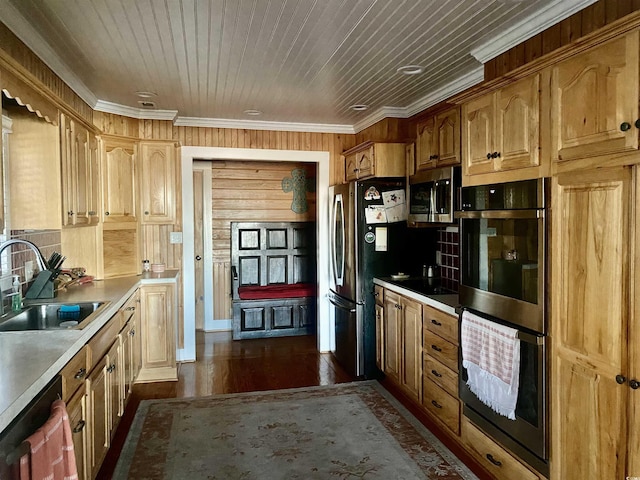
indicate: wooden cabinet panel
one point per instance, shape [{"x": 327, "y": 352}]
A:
[
  {"x": 441, "y": 375},
  {"x": 443, "y": 351},
  {"x": 442, "y": 406},
  {"x": 379, "y": 336},
  {"x": 442, "y": 324},
  {"x": 375, "y": 160},
  {"x": 590, "y": 308},
  {"x": 77, "y": 412},
  {"x": 114, "y": 380},
  {"x": 378, "y": 293},
  {"x": 98, "y": 416},
  {"x": 157, "y": 182},
  {"x": 74, "y": 374},
  {"x": 478, "y": 130},
  {"x": 392, "y": 335},
  {"x": 119, "y": 180},
  {"x": 438, "y": 140},
  {"x": 498, "y": 462},
  {"x": 426, "y": 146},
  {"x": 593, "y": 94},
  {"x": 411, "y": 347}
]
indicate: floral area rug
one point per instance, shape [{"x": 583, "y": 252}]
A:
[{"x": 346, "y": 431}]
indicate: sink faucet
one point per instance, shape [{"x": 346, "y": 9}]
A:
[{"x": 39, "y": 258}]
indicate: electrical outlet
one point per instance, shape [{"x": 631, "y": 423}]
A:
[
  {"x": 175, "y": 237},
  {"x": 491, "y": 232},
  {"x": 28, "y": 270}
]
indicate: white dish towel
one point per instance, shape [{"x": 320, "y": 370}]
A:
[{"x": 491, "y": 355}]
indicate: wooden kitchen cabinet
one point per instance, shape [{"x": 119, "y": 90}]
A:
[
  {"x": 595, "y": 359},
  {"x": 378, "y": 293},
  {"x": 98, "y": 416},
  {"x": 594, "y": 102},
  {"x": 118, "y": 180},
  {"x": 77, "y": 412},
  {"x": 500, "y": 129},
  {"x": 438, "y": 140},
  {"x": 80, "y": 174},
  {"x": 402, "y": 318},
  {"x": 372, "y": 159},
  {"x": 158, "y": 185},
  {"x": 158, "y": 317}
]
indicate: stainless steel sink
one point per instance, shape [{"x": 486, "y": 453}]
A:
[{"x": 51, "y": 316}]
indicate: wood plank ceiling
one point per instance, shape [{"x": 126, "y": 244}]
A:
[{"x": 296, "y": 61}]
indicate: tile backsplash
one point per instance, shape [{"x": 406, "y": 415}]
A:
[{"x": 448, "y": 244}]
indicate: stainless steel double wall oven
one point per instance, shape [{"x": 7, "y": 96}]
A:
[{"x": 503, "y": 235}]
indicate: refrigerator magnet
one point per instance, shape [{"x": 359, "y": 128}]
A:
[
  {"x": 381, "y": 239},
  {"x": 371, "y": 193}
]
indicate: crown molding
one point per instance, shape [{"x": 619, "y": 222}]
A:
[
  {"x": 133, "y": 112},
  {"x": 263, "y": 125},
  {"x": 546, "y": 17},
  {"x": 32, "y": 39},
  {"x": 378, "y": 115}
]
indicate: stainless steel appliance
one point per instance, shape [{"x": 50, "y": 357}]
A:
[
  {"x": 362, "y": 246},
  {"x": 503, "y": 238},
  {"x": 431, "y": 196}
]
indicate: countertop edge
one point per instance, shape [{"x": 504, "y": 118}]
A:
[{"x": 74, "y": 340}]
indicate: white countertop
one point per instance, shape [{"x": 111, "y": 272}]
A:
[
  {"x": 30, "y": 360},
  {"x": 446, "y": 303}
]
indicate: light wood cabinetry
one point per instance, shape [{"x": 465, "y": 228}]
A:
[
  {"x": 375, "y": 160},
  {"x": 98, "y": 416},
  {"x": 403, "y": 342},
  {"x": 440, "y": 394},
  {"x": 595, "y": 101},
  {"x": 438, "y": 140},
  {"x": 378, "y": 293},
  {"x": 595, "y": 356},
  {"x": 500, "y": 130},
  {"x": 77, "y": 412},
  {"x": 80, "y": 174},
  {"x": 118, "y": 180},
  {"x": 157, "y": 182},
  {"x": 495, "y": 459},
  {"x": 158, "y": 310}
]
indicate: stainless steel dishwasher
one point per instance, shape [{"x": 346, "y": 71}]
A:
[{"x": 29, "y": 420}]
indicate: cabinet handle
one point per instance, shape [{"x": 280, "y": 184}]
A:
[
  {"x": 624, "y": 126},
  {"x": 111, "y": 368},
  {"x": 488, "y": 156},
  {"x": 106, "y": 213},
  {"x": 79, "y": 427},
  {"x": 399, "y": 307},
  {"x": 436, "y": 348},
  {"x": 80, "y": 373},
  {"x": 146, "y": 212},
  {"x": 497, "y": 463},
  {"x": 435, "y": 404},
  {"x": 637, "y": 123},
  {"x": 356, "y": 170},
  {"x": 376, "y": 294},
  {"x": 620, "y": 379},
  {"x": 436, "y": 323},
  {"x": 130, "y": 308},
  {"x": 70, "y": 213},
  {"x": 132, "y": 333},
  {"x": 495, "y": 154},
  {"x": 435, "y": 372},
  {"x": 92, "y": 212},
  {"x": 634, "y": 384}
]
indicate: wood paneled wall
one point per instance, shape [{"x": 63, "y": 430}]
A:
[{"x": 567, "y": 31}]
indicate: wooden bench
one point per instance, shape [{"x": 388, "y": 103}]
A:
[{"x": 273, "y": 268}]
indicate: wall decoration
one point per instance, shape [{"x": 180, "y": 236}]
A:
[{"x": 299, "y": 184}]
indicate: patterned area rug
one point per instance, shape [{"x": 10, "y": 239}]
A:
[{"x": 346, "y": 431}]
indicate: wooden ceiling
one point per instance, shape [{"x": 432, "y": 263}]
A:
[{"x": 302, "y": 63}]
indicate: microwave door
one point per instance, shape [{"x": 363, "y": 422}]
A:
[{"x": 443, "y": 200}]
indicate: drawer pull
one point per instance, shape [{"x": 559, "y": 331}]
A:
[
  {"x": 435, "y": 372},
  {"x": 80, "y": 373},
  {"x": 497, "y": 463},
  {"x": 436, "y": 348},
  {"x": 111, "y": 368},
  {"x": 435, "y": 404},
  {"x": 79, "y": 427},
  {"x": 436, "y": 323}
]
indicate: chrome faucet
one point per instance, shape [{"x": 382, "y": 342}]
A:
[{"x": 39, "y": 258}]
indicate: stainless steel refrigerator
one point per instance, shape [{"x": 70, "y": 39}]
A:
[{"x": 366, "y": 242}]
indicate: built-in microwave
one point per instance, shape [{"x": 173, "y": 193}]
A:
[{"x": 431, "y": 195}]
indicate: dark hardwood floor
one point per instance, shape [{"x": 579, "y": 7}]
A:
[{"x": 227, "y": 366}]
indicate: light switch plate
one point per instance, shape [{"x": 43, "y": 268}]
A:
[{"x": 175, "y": 237}]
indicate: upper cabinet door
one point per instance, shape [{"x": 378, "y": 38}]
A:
[
  {"x": 157, "y": 182},
  {"x": 82, "y": 172},
  {"x": 478, "y": 129},
  {"x": 119, "y": 199},
  {"x": 517, "y": 138},
  {"x": 595, "y": 101},
  {"x": 426, "y": 146},
  {"x": 447, "y": 134}
]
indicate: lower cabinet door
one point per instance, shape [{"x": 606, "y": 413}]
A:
[
  {"x": 99, "y": 420},
  {"x": 77, "y": 411}
]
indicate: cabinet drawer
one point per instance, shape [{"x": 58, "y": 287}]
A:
[
  {"x": 443, "y": 351},
  {"x": 442, "y": 406},
  {"x": 501, "y": 464},
  {"x": 128, "y": 310},
  {"x": 378, "y": 293},
  {"x": 441, "y": 375},
  {"x": 441, "y": 324},
  {"x": 102, "y": 341},
  {"x": 74, "y": 374}
]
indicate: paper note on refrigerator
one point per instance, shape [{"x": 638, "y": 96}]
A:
[
  {"x": 381, "y": 239},
  {"x": 375, "y": 214},
  {"x": 393, "y": 198}
]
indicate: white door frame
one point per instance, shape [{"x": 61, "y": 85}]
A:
[{"x": 191, "y": 154}]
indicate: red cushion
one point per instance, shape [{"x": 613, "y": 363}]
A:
[{"x": 277, "y": 291}]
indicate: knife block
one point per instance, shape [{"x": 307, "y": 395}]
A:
[{"x": 42, "y": 286}]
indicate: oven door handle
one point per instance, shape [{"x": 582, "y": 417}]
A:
[{"x": 500, "y": 214}]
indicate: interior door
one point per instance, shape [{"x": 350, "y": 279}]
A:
[{"x": 198, "y": 246}]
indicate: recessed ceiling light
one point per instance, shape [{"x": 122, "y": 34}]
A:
[
  {"x": 252, "y": 113},
  {"x": 411, "y": 69},
  {"x": 143, "y": 94},
  {"x": 147, "y": 104},
  {"x": 359, "y": 107}
]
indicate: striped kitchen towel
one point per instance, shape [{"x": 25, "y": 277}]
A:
[{"x": 491, "y": 355}]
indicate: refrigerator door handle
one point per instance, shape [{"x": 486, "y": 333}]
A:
[
  {"x": 338, "y": 259},
  {"x": 341, "y": 305}
]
